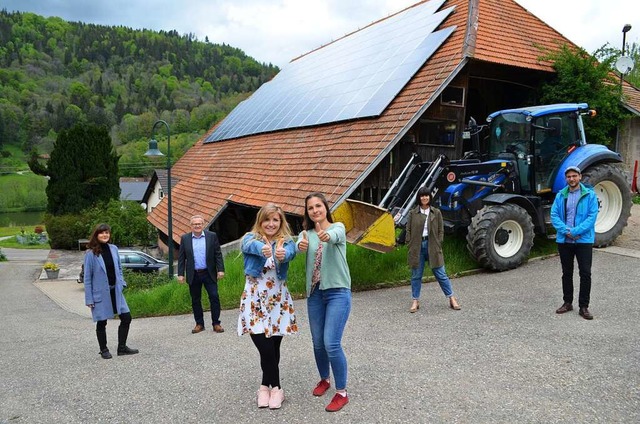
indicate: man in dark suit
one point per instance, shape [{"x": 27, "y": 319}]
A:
[{"x": 200, "y": 253}]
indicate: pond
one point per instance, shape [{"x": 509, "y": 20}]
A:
[{"x": 18, "y": 219}]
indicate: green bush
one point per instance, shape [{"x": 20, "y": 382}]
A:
[
  {"x": 138, "y": 281},
  {"x": 3, "y": 257},
  {"x": 65, "y": 230},
  {"x": 128, "y": 221},
  {"x": 31, "y": 239}
]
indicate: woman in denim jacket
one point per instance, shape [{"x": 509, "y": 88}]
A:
[{"x": 266, "y": 307}]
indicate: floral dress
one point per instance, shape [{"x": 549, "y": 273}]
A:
[{"x": 266, "y": 305}]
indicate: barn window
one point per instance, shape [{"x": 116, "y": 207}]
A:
[
  {"x": 437, "y": 132},
  {"x": 452, "y": 96}
]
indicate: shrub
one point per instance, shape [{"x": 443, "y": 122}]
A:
[
  {"x": 65, "y": 230},
  {"x": 30, "y": 239},
  {"x": 138, "y": 281},
  {"x": 128, "y": 221},
  {"x": 38, "y": 230},
  {"x": 3, "y": 257}
]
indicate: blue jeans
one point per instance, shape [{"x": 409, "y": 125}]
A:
[
  {"x": 328, "y": 313},
  {"x": 439, "y": 273}
]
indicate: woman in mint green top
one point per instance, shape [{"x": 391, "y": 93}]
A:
[{"x": 328, "y": 295}]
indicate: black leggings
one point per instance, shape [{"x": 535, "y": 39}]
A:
[
  {"x": 123, "y": 331},
  {"x": 269, "y": 348}
]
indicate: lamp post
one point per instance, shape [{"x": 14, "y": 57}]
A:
[
  {"x": 153, "y": 151},
  {"x": 625, "y": 29}
]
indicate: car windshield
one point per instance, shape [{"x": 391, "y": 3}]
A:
[
  {"x": 136, "y": 259},
  {"x": 508, "y": 130}
]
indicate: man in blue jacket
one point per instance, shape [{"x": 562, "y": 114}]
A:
[{"x": 573, "y": 215}]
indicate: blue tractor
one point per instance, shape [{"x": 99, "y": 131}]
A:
[{"x": 501, "y": 195}]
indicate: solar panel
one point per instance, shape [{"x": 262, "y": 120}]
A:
[{"x": 354, "y": 77}]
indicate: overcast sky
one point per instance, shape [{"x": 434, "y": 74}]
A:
[{"x": 276, "y": 31}]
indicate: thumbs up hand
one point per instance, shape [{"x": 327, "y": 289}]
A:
[
  {"x": 266, "y": 249},
  {"x": 322, "y": 235},
  {"x": 280, "y": 252},
  {"x": 303, "y": 244}
]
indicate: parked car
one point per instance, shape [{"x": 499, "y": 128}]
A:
[{"x": 136, "y": 261}]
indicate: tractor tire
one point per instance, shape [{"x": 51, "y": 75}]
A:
[
  {"x": 500, "y": 237},
  {"x": 611, "y": 185}
]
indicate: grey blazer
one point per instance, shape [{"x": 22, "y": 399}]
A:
[{"x": 215, "y": 263}]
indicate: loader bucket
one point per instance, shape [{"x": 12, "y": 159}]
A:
[{"x": 367, "y": 225}]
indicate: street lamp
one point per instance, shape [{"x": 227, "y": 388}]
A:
[
  {"x": 153, "y": 151},
  {"x": 625, "y": 29},
  {"x": 624, "y": 64}
]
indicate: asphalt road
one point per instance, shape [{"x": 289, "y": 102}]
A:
[{"x": 505, "y": 358}]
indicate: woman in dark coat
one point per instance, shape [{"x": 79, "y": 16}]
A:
[
  {"x": 425, "y": 233},
  {"x": 103, "y": 285}
]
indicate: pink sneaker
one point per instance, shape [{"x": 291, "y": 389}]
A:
[
  {"x": 263, "y": 397},
  {"x": 337, "y": 403},
  {"x": 276, "y": 399},
  {"x": 321, "y": 388}
]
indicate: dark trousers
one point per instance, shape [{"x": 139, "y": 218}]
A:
[
  {"x": 123, "y": 331},
  {"x": 583, "y": 253},
  {"x": 195, "y": 289},
  {"x": 269, "y": 349}
]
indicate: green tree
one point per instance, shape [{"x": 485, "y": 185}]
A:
[
  {"x": 632, "y": 51},
  {"x": 128, "y": 221},
  {"x": 83, "y": 170},
  {"x": 581, "y": 78}
]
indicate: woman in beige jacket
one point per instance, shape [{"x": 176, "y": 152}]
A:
[{"x": 425, "y": 232}]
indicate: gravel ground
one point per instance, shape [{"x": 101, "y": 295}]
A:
[{"x": 505, "y": 358}]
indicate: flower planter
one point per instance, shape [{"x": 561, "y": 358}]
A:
[{"x": 52, "y": 275}]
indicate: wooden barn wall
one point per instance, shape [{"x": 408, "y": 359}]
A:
[{"x": 486, "y": 88}]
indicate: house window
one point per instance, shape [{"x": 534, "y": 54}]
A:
[{"x": 438, "y": 133}]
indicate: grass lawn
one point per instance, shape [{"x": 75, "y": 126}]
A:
[
  {"x": 10, "y": 231},
  {"x": 13, "y": 242},
  {"x": 369, "y": 270}
]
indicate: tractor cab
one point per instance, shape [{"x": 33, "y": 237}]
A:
[{"x": 538, "y": 139}]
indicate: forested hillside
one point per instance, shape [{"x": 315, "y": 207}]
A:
[{"x": 54, "y": 74}]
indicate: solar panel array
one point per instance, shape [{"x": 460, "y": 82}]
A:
[{"x": 354, "y": 77}]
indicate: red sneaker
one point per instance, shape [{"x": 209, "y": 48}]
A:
[
  {"x": 337, "y": 403},
  {"x": 321, "y": 388}
]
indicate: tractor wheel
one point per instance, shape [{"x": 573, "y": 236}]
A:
[
  {"x": 614, "y": 200},
  {"x": 500, "y": 237}
]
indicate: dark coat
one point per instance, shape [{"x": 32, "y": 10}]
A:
[
  {"x": 415, "y": 224},
  {"x": 96, "y": 285},
  {"x": 215, "y": 263}
]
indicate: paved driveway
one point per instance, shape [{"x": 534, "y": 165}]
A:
[{"x": 505, "y": 358}]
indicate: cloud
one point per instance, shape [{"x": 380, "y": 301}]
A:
[{"x": 276, "y": 31}]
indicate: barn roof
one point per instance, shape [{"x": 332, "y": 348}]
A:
[{"x": 283, "y": 166}]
